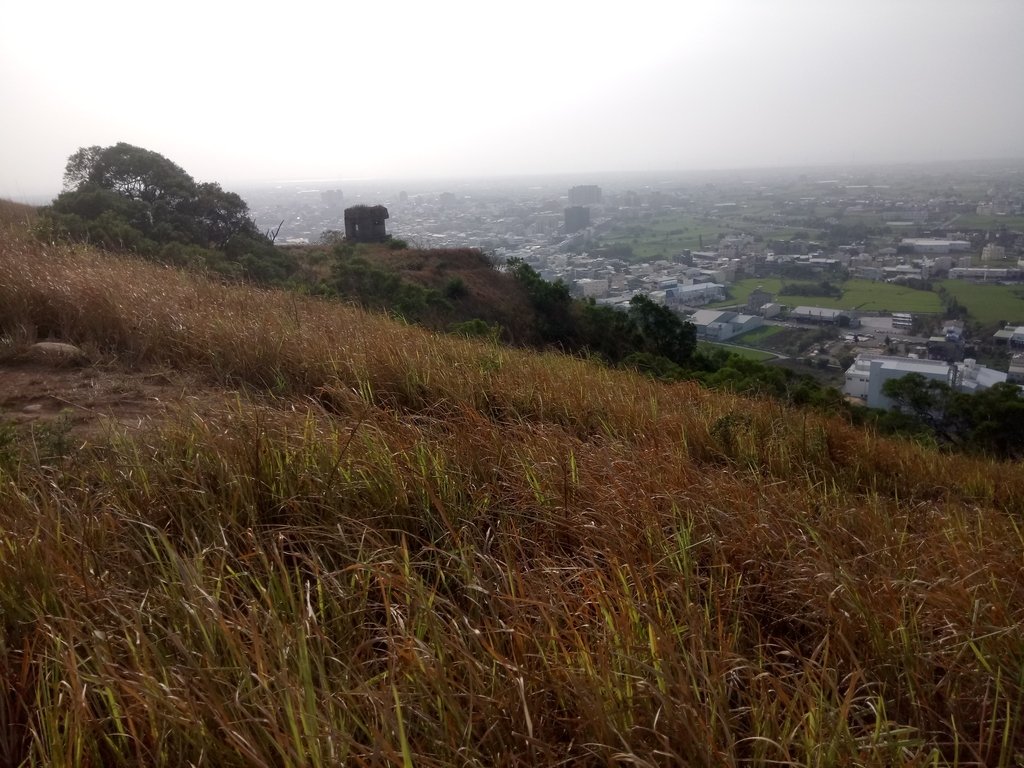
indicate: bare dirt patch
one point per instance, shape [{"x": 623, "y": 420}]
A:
[{"x": 90, "y": 398}]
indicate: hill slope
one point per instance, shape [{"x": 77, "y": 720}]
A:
[
  {"x": 467, "y": 282},
  {"x": 363, "y": 543}
]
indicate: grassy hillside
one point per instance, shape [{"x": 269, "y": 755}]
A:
[
  {"x": 463, "y": 278},
  {"x": 375, "y": 545}
]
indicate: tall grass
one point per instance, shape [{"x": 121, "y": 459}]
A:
[{"x": 404, "y": 548}]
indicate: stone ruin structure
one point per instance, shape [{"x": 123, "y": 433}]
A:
[{"x": 365, "y": 224}]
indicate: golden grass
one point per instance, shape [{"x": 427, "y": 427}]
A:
[{"x": 406, "y": 548}]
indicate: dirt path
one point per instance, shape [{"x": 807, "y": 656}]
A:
[{"x": 88, "y": 398}]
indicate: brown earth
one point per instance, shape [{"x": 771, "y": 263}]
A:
[{"x": 91, "y": 398}]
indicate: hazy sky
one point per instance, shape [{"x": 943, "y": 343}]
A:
[{"x": 245, "y": 91}]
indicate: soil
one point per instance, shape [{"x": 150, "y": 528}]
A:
[{"x": 88, "y": 398}]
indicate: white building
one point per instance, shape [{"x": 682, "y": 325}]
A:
[
  {"x": 868, "y": 374},
  {"x": 993, "y": 252},
  {"x": 822, "y": 315},
  {"x": 983, "y": 273},
  {"x": 935, "y": 245},
  {"x": 698, "y": 293},
  {"x": 718, "y": 325},
  {"x": 595, "y": 288},
  {"x": 970, "y": 377}
]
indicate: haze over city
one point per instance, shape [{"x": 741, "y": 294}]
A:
[{"x": 241, "y": 94}]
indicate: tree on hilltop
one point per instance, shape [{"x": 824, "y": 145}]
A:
[
  {"x": 664, "y": 333},
  {"x": 129, "y": 198}
]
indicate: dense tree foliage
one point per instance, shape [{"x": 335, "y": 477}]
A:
[
  {"x": 356, "y": 277},
  {"x": 990, "y": 421},
  {"x": 662, "y": 331},
  {"x": 128, "y": 198},
  {"x": 576, "y": 326}
]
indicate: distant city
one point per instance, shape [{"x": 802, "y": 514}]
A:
[{"x": 713, "y": 246}]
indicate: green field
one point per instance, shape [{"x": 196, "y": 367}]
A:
[
  {"x": 865, "y": 295},
  {"x": 667, "y": 235},
  {"x": 754, "y": 337},
  {"x": 741, "y": 290},
  {"x": 750, "y": 354},
  {"x": 989, "y": 304},
  {"x": 875, "y": 296}
]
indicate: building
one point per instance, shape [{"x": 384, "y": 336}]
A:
[
  {"x": 585, "y": 194},
  {"x": 944, "y": 348},
  {"x": 592, "y": 288},
  {"x": 823, "y": 315},
  {"x": 1017, "y": 337},
  {"x": 902, "y": 320},
  {"x": 934, "y": 245},
  {"x": 757, "y": 299},
  {"x": 576, "y": 218},
  {"x": 697, "y": 294},
  {"x": 719, "y": 325},
  {"x": 984, "y": 274},
  {"x": 868, "y": 374},
  {"x": 970, "y": 377},
  {"x": 365, "y": 224},
  {"x": 953, "y": 330},
  {"x": 868, "y": 272},
  {"x": 993, "y": 252},
  {"x": 1016, "y": 374}
]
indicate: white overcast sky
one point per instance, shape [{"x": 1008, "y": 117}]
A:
[{"x": 247, "y": 91}]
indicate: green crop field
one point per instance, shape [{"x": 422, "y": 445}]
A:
[
  {"x": 875, "y": 296},
  {"x": 741, "y": 290},
  {"x": 750, "y": 354},
  {"x": 667, "y": 236},
  {"x": 865, "y": 295},
  {"x": 760, "y": 334},
  {"x": 989, "y": 303}
]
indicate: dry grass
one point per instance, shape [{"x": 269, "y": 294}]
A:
[{"x": 406, "y": 548}]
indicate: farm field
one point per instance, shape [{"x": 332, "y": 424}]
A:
[
  {"x": 666, "y": 236},
  {"x": 865, "y": 295},
  {"x": 886, "y": 297},
  {"x": 750, "y": 354},
  {"x": 989, "y": 304},
  {"x": 758, "y": 335}
]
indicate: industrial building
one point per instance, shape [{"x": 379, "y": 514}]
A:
[
  {"x": 823, "y": 315},
  {"x": 935, "y": 245},
  {"x": 718, "y": 325},
  {"x": 577, "y": 217},
  {"x": 585, "y": 194},
  {"x": 868, "y": 374}
]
